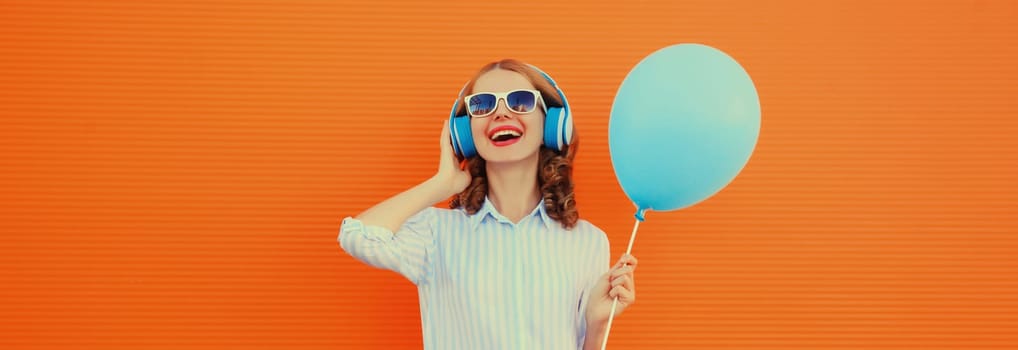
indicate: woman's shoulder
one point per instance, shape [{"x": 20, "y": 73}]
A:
[
  {"x": 585, "y": 227},
  {"x": 592, "y": 239}
]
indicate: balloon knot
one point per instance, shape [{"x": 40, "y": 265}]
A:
[{"x": 639, "y": 214}]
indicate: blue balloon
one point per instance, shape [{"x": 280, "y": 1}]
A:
[{"x": 683, "y": 125}]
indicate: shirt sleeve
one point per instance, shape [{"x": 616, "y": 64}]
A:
[
  {"x": 600, "y": 261},
  {"x": 409, "y": 251}
]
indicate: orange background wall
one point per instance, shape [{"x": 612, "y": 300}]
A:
[{"x": 174, "y": 173}]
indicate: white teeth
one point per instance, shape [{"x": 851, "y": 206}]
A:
[{"x": 506, "y": 132}]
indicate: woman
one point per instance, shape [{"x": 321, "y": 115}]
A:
[{"x": 511, "y": 265}]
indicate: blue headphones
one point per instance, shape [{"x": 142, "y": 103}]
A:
[{"x": 558, "y": 124}]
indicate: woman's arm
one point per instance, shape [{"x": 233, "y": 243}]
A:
[
  {"x": 392, "y": 212},
  {"x": 397, "y": 234},
  {"x": 449, "y": 180}
]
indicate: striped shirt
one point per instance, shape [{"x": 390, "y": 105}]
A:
[{"x": 485, "y": 282}]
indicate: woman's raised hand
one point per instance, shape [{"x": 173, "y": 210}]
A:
[{"x": 450, "y": 175}]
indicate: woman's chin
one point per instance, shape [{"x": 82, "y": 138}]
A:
[{"x": 508, "y": 155}]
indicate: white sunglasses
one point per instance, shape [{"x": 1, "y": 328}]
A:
[{"x": 483, "y": 104}]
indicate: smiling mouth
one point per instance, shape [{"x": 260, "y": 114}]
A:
[{"x": 505, "y": 135}]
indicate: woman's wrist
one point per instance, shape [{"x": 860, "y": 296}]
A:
[
  {"x": 596, "y": 324},
  {"x": 595, "y": 334}
]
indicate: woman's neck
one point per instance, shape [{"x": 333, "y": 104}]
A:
[{"x": 512, "y": 187}]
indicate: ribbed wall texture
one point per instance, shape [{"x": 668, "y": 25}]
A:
[{"x": 174, "y": 173}]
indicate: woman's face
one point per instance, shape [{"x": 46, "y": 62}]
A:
[{"x": 494, "y": 135}]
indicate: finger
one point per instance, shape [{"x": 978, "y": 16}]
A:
[
  {"x": 626, "y": 297},
  {"x": 629, "y": 283},
  {"x": 624, "y": 270},
  {"x": 445, "y": 141},
  {"x": 448, "y": 153},
  {"x": 625, "y": 281},
  {"x": 627, "y": 259}
]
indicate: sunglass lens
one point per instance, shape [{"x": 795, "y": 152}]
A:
[
  {"x": 521, "y": 101},
  {"x": 482, "y": 104}
]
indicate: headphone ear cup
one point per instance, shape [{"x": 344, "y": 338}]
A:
[
  {"x": 555, "y": 128},
  {"x": 567, "y": 132},
  {"x": 462, "y": 139}
]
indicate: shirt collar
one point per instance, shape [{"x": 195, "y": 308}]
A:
[{"x": 488, "y": 209}]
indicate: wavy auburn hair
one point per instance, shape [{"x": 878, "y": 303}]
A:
[{"x": 554, "y": 170}]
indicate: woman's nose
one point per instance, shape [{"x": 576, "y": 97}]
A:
[{"x": 502, "y": 109}]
